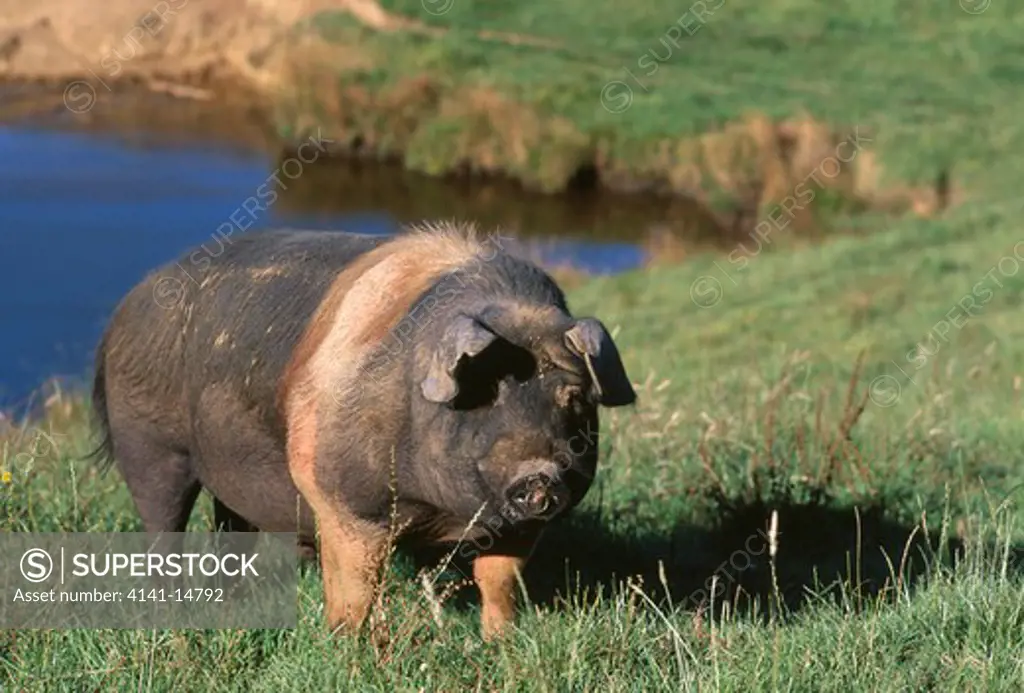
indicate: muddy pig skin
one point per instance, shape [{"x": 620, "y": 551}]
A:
[{"x": 312, "y": 380}]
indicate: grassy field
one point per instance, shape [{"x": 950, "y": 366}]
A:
[
  {"x": 865, "y": 393},
  {"x": 897, "y": 562}
]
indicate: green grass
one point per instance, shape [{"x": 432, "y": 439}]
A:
[
  {"x": 899, "y": 554},
  {"x": 935, "y": 84}
]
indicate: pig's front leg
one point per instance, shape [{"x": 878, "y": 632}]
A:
[
  {"x": 352, "y": 554},
  {"x": 495, "y": 574},
  {"x": 351, "y": 550}
]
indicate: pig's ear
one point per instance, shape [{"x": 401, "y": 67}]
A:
[
  {"x": 465, "y": 338},
  {"x": 589, "y": 340}
]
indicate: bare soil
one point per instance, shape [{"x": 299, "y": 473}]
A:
[{"x": 163, "y": 39}]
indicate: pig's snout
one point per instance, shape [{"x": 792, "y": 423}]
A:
[{"x": 538, "y": 494}]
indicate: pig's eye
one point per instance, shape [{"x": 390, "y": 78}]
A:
[{"x": 568, "y": 395}]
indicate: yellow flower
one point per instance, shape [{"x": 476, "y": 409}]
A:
[{"x": 5, "y": 477}]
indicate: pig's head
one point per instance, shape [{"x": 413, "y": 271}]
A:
[{"x": 511, "y": 395}]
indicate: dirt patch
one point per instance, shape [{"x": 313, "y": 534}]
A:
[
  {"x": 170, "y": 40},
  {"x": 251, "y": 41}
]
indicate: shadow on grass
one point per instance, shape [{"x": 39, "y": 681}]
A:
[
  {"x": 773, "y": 543},
  {"x": 821, "y": 553}
]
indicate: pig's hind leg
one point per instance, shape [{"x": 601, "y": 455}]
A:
[
  {"x": 161, "y": 480},
  {"x": 163, "y": 486}
]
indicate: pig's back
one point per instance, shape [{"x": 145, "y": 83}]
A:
[{"x": 227, "y": 313}]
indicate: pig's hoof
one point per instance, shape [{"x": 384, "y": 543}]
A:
[{"x": 494, "y": 631}]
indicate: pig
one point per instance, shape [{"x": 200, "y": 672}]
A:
[{"x": 338, "y": 385}]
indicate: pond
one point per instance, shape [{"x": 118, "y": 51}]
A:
[{"x": 86, "y": 212}]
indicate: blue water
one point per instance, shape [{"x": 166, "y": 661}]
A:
[{"x": 83, "y": 218}]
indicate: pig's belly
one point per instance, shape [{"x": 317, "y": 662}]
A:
[{"x": 244, "y": 466}]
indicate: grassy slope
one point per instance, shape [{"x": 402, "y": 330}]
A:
[
  {"x": 936, "y": 84},
  {"x": 948, "y": 447}
]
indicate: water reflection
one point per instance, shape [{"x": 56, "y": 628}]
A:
[{"x": 346, "y": 187}]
